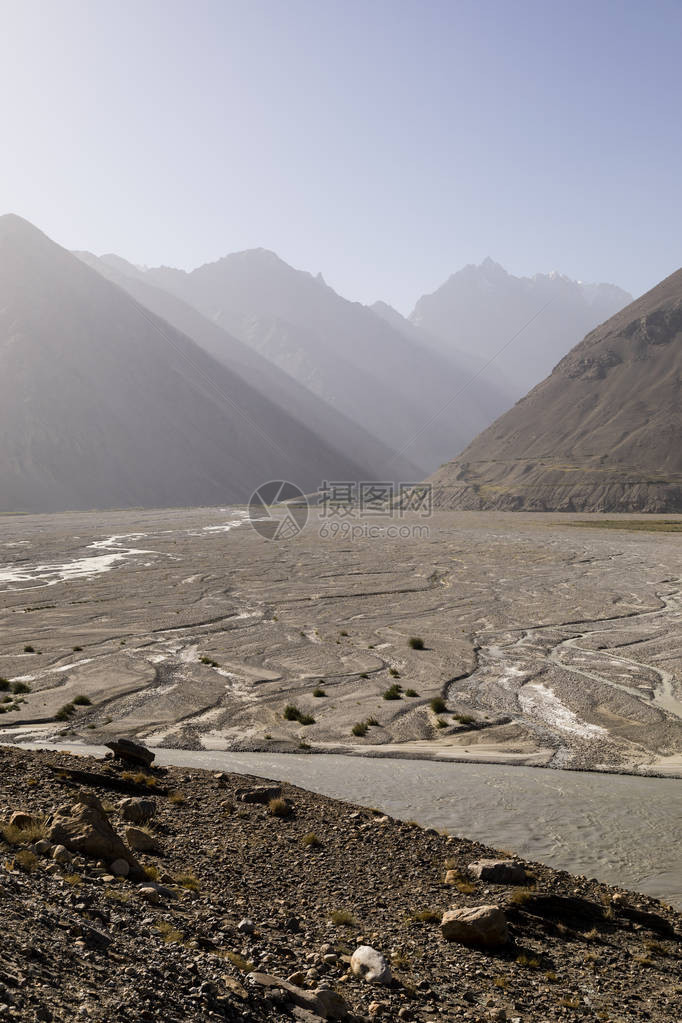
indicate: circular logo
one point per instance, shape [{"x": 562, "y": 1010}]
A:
[{"x": 278, "y": 510}]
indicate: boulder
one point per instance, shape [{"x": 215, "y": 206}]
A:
[
  {"x": 371, "y": 965},
  {"x": 131, "y": 752},
  {"x": 322, "y": 1002},
  {"x": 120, "y": 868},
  {"x": 261, "y": 794},
  {"x": 60, "y": 854},
  {"x": 137, "y": 810},
  {"x": 21, "y": 820},
  {"x": 149, "y": 894},
  {"x": 85, "y": 828},
  {"x": 480, "y": 926},
  {"x": 499, "y": 871},
  {"x": 142, "y": 841}
]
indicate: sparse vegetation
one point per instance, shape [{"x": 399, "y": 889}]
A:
[
  {"x": 342, "y": 918},
  {"x": 280, "y": 807},
  {"x": 425, "y": 916},
  {"x": 465, "y": 719},
  {"x": 188, "y": 881},
  {"x": 293, "y": 713},
  {"x": 240, "y": 962},
  {"x": 209, "y": 661}
]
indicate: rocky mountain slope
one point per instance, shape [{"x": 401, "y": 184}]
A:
[
  {"x": 407, "y": 394},
  {"x": 481, "y": 308},
  {"x": 253, "y": 901},
  {"x": 104, "y": 404},
  {"x": 602, "y": 433}
]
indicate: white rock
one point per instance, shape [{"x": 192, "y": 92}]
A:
[{"x": 371, "y": 965}]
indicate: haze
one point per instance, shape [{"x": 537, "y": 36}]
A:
[{"x": 386, "y": 144}]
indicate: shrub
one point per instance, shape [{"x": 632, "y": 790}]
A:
[
  {"x": 4, "y": 685},
  {"x": 177, "y": 798},
  {"x": 441, "y": 723},
  {"x": 28, "y": 649},
  {"x": 20, "y": 687},
  {"x": 168, "y": 932},
  {"x": 280, "y": 807},
  {"x": 360, "y": 728},
  {"x": 416, "y": 642},
  {"x": 342, "y": 918},
  {"x": 393, "y": 692},
  {"x": 65, "y": 712},
  {"x": 25, "y": 860},
  {"x": 188, "y": 881},
  {"x": 311, "y": 840},
  {"x": 209, "y": 660},
  {"x": 82, "y": 700},
  {"x": 411, "y": 692},
  {"x": 292, "y": 713},
  {"x": 438, "y": 705},
  {"x": 394, "y": 673},
  {"x": 22, "y": 836},
  {"x": 319, "y": 692},
  {"x": 77, "y": 649},
  {"x": 240, "y": 962},
  {"x": 343, "y": 633},
  {"x": 425, "y": 916},
  {"x": 373, "y": 722},
  {"x": 465, "y": 719}
]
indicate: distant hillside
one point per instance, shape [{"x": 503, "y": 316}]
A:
[
  {"x": 385, "y": 378},
  {"x": 284, "y": 390},
  {"x": 481, "y": 308},
  {"x": 602, "y": 433},
  {"x": 104, "y": 404}
]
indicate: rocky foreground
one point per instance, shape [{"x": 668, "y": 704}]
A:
[{"x": 164, "y": 894}]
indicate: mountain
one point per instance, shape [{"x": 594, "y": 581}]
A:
[
  {"x": 417, "y": 401},
  {"x": 284, "y": 390},
  {"x": 482, "y": 308},
  {"x": 102, "y": 403},
  {"x": 602, "y": 433}
]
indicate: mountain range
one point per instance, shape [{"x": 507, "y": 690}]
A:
[
  {"x": 526, "y": 324},
  {"x": 603, "y": 432},
  {"x": 124, "y": 385},
  {"x": 104, "y": 404}
]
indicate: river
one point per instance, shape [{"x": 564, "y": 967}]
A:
[{"x": 622, "y": 829}]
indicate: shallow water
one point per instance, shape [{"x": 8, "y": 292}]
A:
[{"x": 621, "y": 829}]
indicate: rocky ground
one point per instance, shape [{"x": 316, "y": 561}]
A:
[
  {"x": 252, "y": 902},
  {"x": 545, "y": 641}
]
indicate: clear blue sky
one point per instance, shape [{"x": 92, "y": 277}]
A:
[{"x": 383, "y": 142}]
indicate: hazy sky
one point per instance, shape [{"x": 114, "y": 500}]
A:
[{"x": 383, "y": 142}]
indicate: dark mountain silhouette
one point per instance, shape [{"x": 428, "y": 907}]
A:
[
  {"x": 102, "y": 403},
  {"x": 602, "y": 433},
  {"x": 481, "y": 308}
]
